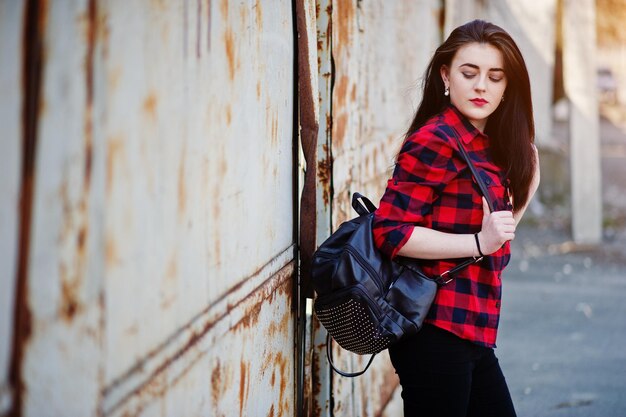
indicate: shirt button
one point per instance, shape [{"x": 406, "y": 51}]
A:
[{"x": 497, "y": 304}]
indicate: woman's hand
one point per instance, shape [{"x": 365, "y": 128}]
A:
[{"x": 498, "y": 228}]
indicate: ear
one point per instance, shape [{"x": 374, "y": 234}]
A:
[{"x": 444, "y": 71}]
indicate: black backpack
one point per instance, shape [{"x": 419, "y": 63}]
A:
[{"x": 365, "y": 300}]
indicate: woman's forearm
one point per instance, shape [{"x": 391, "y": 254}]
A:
[{"x": 427, "y": 243}]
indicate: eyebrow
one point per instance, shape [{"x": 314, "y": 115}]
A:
[{"x": 476, "y": 67}]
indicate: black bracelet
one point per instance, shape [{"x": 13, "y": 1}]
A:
[{"x": 478, "y": 244}]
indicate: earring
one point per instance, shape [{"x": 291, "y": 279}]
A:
[
  {"x": 447, "y": 92},
  {"x": 502, "y": 98}
]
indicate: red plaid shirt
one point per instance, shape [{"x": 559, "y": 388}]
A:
[{"x": 433, "y": 187}]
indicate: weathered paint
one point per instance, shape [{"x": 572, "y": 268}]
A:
[
  {"x": 196, "y": 142},
  {"x": 11, "y": 17},
  {"x": 64, "y": 269},
  {"x": 379, "y": 61},
  {"x": 238, "y": 363},
  {"x": 162, "y": 211}
]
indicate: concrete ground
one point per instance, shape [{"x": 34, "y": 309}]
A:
[{"x": 562, "y": 340}]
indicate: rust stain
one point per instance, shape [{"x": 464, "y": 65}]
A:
[
  {"x": 271, "y": 412},
  {"x": 345, "y": 18},
  {"x": 32, "y": 65},
  {"x": 198, "y": 28},
  {"x": 150, "y": 105},
  {"x": 339, "y": 132},
  {"x": 353, "y": 93},
  {"x": 88, "y": 149},
  {"x": 250, "y": 319},
  {"x": 70, "y": 304},
  {"x": 258, "y": 16},
  {"x": 242, "y": 386},
  {"x": 272, "y": 123},
  {"x": 168, "y": 291},
  {"x": 110, "y": 251},
  {"x": 104, "y": 32},
  {"x": 281, "y": 361},
  {"x": 133, "y": 330},
  {"x": 329, "y": 125},
  {"x": 258, "y": 89},
  {"x": 172, "y": 268},
  {"x": 182, "y": 190},
  {"x": 115, "y": 149},
  {"x": 324, "y": 175},
  {"x": 229, "y": 115},
  {"x": 341, "y": 90},
  {"x": 223, "y": 166},
  {"x": 89, "y": 88},
  {"x": 329, "y": 28},
  {"x": 216, "y": 383},
  {"x": 208, "y": 24},
  {"x": 224, "y": 9},
  {"x": 81, "y": 240},
  {"x": 229, "y": 44},
  {"x": 113, "y": 78}
]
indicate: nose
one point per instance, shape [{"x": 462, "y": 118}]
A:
[{"x": 481, "y": 84}]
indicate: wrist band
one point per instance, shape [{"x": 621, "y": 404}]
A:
[{"x": 478, "y": 244}]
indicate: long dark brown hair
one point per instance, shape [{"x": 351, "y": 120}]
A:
[{"x": 511, "y": 127}]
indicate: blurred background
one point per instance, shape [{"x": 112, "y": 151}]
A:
[{"x": 168, "y": 168}]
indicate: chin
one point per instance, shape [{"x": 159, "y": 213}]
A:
[{"x": 476, "y": 114}]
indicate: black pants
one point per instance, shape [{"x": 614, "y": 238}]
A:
[{"x": 445, "y": 376}]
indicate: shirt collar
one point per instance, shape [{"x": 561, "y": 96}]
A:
[{"x": 466, "y": 130}]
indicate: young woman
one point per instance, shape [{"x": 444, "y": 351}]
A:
[{"x": 477, "y": 85}]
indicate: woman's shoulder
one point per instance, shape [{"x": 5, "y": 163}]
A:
[{"x": 434, "y": 133}]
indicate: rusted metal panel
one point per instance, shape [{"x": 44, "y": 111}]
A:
[
  {"x": 379, "y": 60},
  {"x": 60, "y": 367},
  {"x": 240, "y": 364},
  {"x": 163, "y": 210},
  {"x": 11, "y": 16},
  {"x": 199, "y": 184}
]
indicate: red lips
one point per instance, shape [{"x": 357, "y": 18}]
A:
[{"x": 479, "y": 101}]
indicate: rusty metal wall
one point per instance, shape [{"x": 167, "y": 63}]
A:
[
  {"x": 11, "y": 15},
  {"x": 161, "y": 262},
  {"x": 380, "y": 50}
]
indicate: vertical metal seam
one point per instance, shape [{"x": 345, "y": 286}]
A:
[
  {"x": 32, "y": 65},
  {"x": 300, "y": 322},
  {"x": 308, "y": 136},
  {"x": 308, "y": 128}
]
